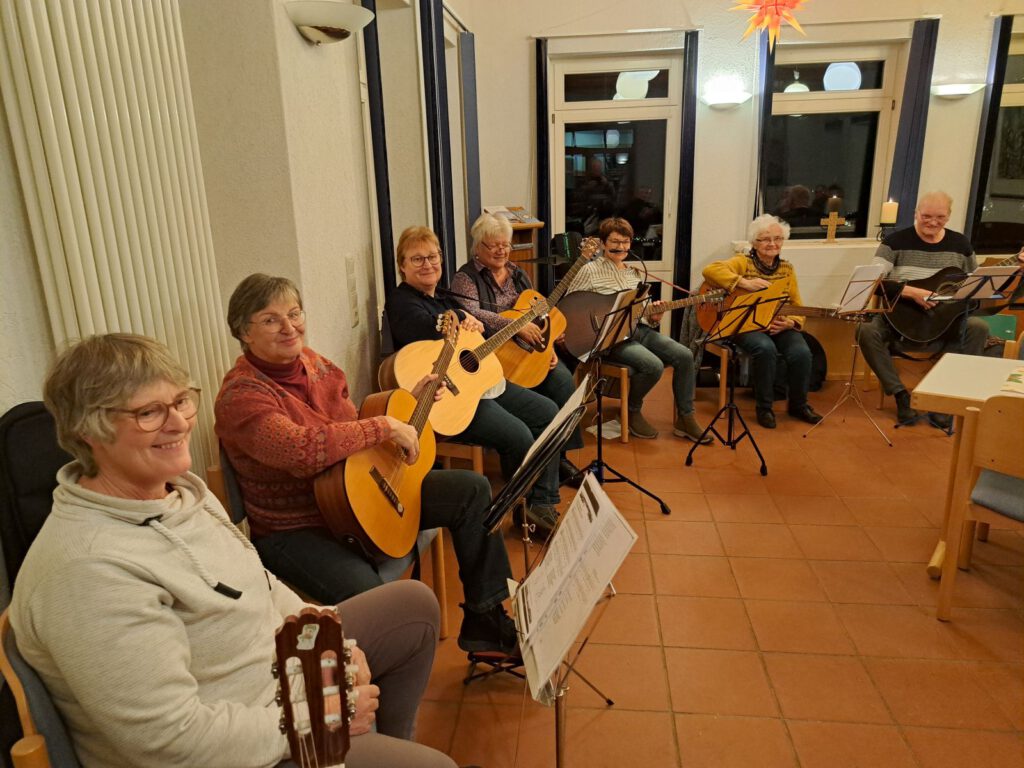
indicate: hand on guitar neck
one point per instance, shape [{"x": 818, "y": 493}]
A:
[
  {"x": 918, "y": 295},
  {"x": 404, "y": 434},
  {"x": 366, "y": 695}
]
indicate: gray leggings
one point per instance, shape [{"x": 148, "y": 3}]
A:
[{"x": 396, "y": 626}]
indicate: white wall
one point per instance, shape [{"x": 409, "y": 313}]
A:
[{"x": 281, "y": 137}]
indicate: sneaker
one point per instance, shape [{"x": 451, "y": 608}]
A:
[
  {"x": 766, "y": 418},
  {"x": 805, "y": 413},
  {"x": 542, "y": 517},
  {"x": 640, "y": 427},
  {"x": 943, "y": 421},
  {"x": 687, "y": 426},
  {"x": 904, "y": 413},
  {"x": 490, "y": 631}
]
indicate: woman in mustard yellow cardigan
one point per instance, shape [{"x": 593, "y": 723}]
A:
[{"x": 761, "y": 268}]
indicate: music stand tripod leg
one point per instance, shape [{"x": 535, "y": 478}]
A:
[
  {"x": 850, "y": 392},
  {"x": 731, "y": 412}
]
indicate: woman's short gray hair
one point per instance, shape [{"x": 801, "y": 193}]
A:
[
  {"x": 763, "y": 222},
  {"x": 254, "y": 294},
  {"x": 488, "y": 225},
  {"x": 97, "y": 374}
]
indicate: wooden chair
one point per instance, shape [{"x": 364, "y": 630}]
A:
[
  {"x": 45, "y": 739},
  {"x": 448, "y": 450},
  {"x": 223, "y": 484},
  {"x": 1014, "y": 349},
  {"x": 992, "y": 442},
  {"x": 618, "y": 378}
]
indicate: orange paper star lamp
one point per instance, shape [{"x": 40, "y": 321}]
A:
[{"x": 769, "y": 14}]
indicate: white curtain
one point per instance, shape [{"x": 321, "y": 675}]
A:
[{"x": 100, "y": 111}]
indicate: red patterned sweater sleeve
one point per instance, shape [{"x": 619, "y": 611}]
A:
[{"x": 277, "y": 430}]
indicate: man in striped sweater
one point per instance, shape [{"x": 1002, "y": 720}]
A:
[{"x": 917, "y": 253}]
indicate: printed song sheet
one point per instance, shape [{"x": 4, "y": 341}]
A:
[{"x": 553, "y": 604}]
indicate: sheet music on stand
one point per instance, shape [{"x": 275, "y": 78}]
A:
[
  {"x": 620, "y": 322},
  {"x": 859, "y": 290},
  {"x": 749, "y": 312},
  {"x": 553, "y": 604},
  {"x": 983, "y": 283}
]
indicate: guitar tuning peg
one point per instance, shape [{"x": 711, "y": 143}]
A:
[
  {"x": 278, "y": 698},
  {"x": 274, "y": 669},
  {"x": 283, "y": 725}
]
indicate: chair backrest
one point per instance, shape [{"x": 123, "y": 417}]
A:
[
  {"x": 235, "y": 504},
  {"x": 994, "y": 437},
  {"x": 387, "y": 341},
  {"x": 29, "y": 460},
  {"x": 36, "y": 710}
]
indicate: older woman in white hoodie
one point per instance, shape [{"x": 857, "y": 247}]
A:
[{"x": 149, "y": 616}]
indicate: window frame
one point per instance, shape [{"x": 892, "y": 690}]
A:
[
  {"x": 886, "y": 101},
  {"x": 670, "y": 60}
]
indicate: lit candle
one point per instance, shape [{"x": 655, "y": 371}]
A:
[
  {"x": 835, "y": 203},
  {"x": 890, "y": 211}
]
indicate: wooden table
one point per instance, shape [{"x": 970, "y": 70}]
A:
[{"x": 954, "y": 384}]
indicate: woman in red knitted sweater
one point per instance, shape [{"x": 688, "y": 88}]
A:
[{"x": 284, "y": 415}]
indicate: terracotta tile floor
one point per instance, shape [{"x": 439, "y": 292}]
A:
[{"x": 772, "y": 621}]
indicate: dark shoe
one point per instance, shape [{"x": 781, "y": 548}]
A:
[
  {"x": 805, "y": 413},
  {"x": 542, "y": 517},
  {"x": 686, "y": 426},
  {"x": 491, "y": 631},
  {"x": 569, "y": 474},
  {"x": 904, "y": 413},
  {"x": 943, "y": 421},
  {"x": 766, "y": 418},
  {"x": 640, "y": 427}
]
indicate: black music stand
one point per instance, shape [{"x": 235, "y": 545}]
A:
[
  {"x": 547, "y": 447},
  {"x": 753, "y": 315},
  {"x": 618, "y": 326}
]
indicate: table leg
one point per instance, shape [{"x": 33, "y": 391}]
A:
[{"x": 958, "y": 472}]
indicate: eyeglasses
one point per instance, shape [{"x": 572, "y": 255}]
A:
[
  {"x": 431, "y": 258},
  {"x": 942, "y": 219},
  {"x": 497, "y": 247},
  {"x": 275, "y": 323},
  {"x": 765, "y": 240},
  {"x": 619, "y": 243},
  {"x": 152, "y": 417}
]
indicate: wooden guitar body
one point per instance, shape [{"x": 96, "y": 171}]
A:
[
  {"x": 374, "y": 496},
  {"x": 920, "y": 325},
  {"x": 585, "y": 311},
  {"x": 765, "y": 304},
  {"x": 524, "y": 364},
  {"x": 469, "y": 376}
]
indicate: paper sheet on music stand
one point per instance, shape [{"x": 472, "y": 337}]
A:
[
  {"x": 574, "y": 402},
  {"x": 622, "y": 299},
  {"x": 860, "y": 288},
  {"x": 982, "y": 283},
  {"x": 552, "y": 606}
]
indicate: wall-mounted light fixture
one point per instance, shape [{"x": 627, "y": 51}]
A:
[
  {"x": 956, "y": 90},
  {"x": 327, "y": 21},
  {"x": 725, "y": 92}
]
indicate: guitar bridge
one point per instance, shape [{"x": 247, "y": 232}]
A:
[{"x": 387, "y": 490}]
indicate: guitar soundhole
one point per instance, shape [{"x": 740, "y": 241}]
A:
[{"x": 468, "y": 361}]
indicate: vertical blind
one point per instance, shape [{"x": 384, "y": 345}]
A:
[{"x": 100, "y": 111}]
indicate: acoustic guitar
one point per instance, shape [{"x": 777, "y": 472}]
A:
[
  {"x": 315, "y": 680},
  {"x": 920, "y": 325},
  {"x": 586, "y": 311},
  {"x": 708, "y": 315},
  {"x": 373, "y": 495},
  {"x": 526, "y": 364}
]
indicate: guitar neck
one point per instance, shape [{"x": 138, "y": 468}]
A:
[
  {"x": 425, "y": 401},
  {"x": 668, "y": 306},
  {"x": 793, "y": 309}
]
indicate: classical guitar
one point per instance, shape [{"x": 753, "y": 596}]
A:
[
  {"x": 708, "y": 315},
  {"x": 373, "y": 496},
  {"x": 914, "y": 322},
  {"x": 586, "y": 311},
  {"x": 526, "y": 364},
  {"x": 315, "y": 678}
]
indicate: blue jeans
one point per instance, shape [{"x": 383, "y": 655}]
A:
[
  {"x": 558, "y": 388},
  {"x": 763, "y": 350},
  {"x": 647, "y": 354},
  {"x": 328, "y": 571},
  {"x": 509, "y": 424}
]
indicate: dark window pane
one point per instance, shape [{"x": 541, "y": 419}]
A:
[
  {"x": 617, "y": 168},
  {"x": 1002, "y": 214},
  {"x": 813, "y": 163},
  {"x": 828, "y": 76},
  {"x": 604, "y": 86}
]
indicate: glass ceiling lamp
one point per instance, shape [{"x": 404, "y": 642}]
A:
[
  {"x": 842, "y": 76},
  {"x": 796, "y": 86}
]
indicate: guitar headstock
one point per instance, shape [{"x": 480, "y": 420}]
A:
[
  {"x": 588, "y": 247},
  {"x": 716, "y": 296},
  {"x": 448, "y": 325},
  {"x": 315, "y": 675}
]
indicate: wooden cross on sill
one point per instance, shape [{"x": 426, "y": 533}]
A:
[{"x": 833, "y": 222}]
